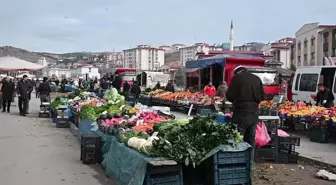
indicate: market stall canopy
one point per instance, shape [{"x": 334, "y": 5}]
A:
[
  {"x": 15, "y": 64},
  {"x": 218, "y": 59},
  {"x": 30, "y": 76}
]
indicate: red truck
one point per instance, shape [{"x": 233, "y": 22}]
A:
[
  {"x": 221, "y": 68},
  {"x": 126, "y": 74}
]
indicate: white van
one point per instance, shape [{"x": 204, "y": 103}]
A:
[{"x": 306, "y": 79}]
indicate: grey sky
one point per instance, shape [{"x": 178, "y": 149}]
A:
[{"x": 104, "y": 25}]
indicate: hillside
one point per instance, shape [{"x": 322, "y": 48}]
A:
[
  {"x": 24, "y": 54},
  {"x": 172, "y": 57}
]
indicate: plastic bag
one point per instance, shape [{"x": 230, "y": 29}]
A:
[
  {"x": 262, "y": 138},
  {"x": 282, "y": 133}
]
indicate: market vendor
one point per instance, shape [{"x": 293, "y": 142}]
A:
[
  {"x": 324, "y": 96},
  {"x": 222, "y": 89},
  {"x": 210, "y": 90}
]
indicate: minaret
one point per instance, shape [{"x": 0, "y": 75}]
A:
[{"x": 231, "y": 36}]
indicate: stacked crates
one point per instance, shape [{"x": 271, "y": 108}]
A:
[
  {"x": 164, "y": 175},
  {"x": 62, "y": 121},
  {"x": 90, "y": 149},
  {"x": 279, "y": 149},
  {"x": 232, "y": 168},
  {"x": 287, "y": 153}
]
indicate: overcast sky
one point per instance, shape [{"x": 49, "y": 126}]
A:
[{"x": 104, "y": 25}]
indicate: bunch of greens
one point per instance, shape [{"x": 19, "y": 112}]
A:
[
  {"x": 88, "y": 112},
  {"x": 113, "y": 98},
  {"x": 62, "y": 100},
  {"x": 190, "y": 143}
]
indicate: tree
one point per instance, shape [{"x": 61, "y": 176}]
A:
[
  {"x": 180, "y": 76},
  {"x": 292, "y": 67}
]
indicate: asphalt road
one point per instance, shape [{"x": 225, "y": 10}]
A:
[{"x": 34, "y": 152}]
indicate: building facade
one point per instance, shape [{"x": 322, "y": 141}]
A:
[
  {"x": 281, "y": 51},
  {"x": 144, "y": 57},
  {"x": 189, "y": 52},
  {"x": 91, "y": 71},
  {"x": 115, "y": 59},
  {"x": 59, "y": 72},
  {"x": 245, "y": 47},
  {"x": 309, "y": 45},
  {"x": 328, "y": 39}
]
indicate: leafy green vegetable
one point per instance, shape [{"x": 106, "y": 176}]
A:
[
  {"x": 88, "y": 112},
  {"x": 189, "y": 143}
]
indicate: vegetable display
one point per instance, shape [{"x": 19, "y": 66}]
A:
[{"x": 189, "y": 143}]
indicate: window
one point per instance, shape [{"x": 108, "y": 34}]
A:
[
  {"x": 305, "y": 43},
  {"x": 312, "y": 56},
  {"x": 297, "y": 81},
  {"x": 334, "y": 52},
  {"x": 308, "y": 82},
  {"x": 313, "y": 41},
  {"x": 299, "y": 46},
  {"x": 305, "y": 57}
]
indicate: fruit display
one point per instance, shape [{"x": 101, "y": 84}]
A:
[{"x": 183, "y": 98}]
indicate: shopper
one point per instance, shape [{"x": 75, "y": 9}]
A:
[
  {"x": 126, "y": 89},
  {"x": 24, "y": 88},
  {"x": 31, "y": 82},
  {"x": 324, "y": 97},
  {"x": 37, "y": 83},
  {"x": 136, "y": 90},
  {"x": 157, "y": 86},
  {"x": 245, "y": 92},
  {"x": 117, "y": 83},
  {"x": 221, "y": 90},
  {"x": 8, "y": 89},
  {"x": 170, "y": 86},
  {"x": 210, "y": 90},
  {"x": 44, "y": 90}
]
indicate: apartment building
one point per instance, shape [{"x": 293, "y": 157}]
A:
[
  {"x": 144, "y": 57},
  {"x": 281, "y": 51},
  {"x": 189, "y": 52},
  {"x": 245, "y": 47},
  {"x": 115, "y": 59},
  {"x": 308, "y": 44},
  {"x": 328, "y": 39}
]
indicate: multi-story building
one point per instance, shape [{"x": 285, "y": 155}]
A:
[
  {"x": 59, "y": 72},
  {"x": 245, "y": 47},
  {"x": 308, "y": 44},
  {"x": 328, "y": 39},
  {"x": 292, "y": 54},
  {"x": 281, "y": 51},
  {"x": 144, "y": 57},
  {"x": 189, "y": 52},
  {"x": 115, "y": 59}
]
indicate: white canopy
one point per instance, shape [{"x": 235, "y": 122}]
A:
[
  {"x": 30, "y": 76},
  {"x": 15, "y": 64}
]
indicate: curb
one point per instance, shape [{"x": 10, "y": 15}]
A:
[{"x": 316, "y": 162}]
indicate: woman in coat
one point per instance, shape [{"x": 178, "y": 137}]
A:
[{"x": 8, "y": 89}]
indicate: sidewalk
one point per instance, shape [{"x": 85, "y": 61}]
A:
[{"x": 323, "y": 152}]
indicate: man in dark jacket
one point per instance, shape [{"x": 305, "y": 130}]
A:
[
  {"x": 117, "y": 82},
  {"x": 324, "y": 97},
  {"x": 136, "y": 90},
  {"x": 245, "y": 92},
  {"x": 44, "y": 89},
  {"x": 8, "y": 89},
  {"x": 126, "y": 88},
  {"x": 24, "y": 88},
  {"x": 170, "y": 87}
]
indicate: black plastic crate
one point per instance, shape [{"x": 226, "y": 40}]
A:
[
  {"x": 264, "y": 112},
  {"x": 288, "y": 158},
  {"x": 164, "y": 175},
  {"x": 90, "y": 140},
  {"x": 90, "y": 155},
  {"x": 44, "y": 115},
  {"x": 90, "y": 149},
  {"x": 221, "y": 158},
  {"x": 62, "y": 123},
  {"x": 290, "y": 140},
  {"x": 204, "y": 111},
  {"x": 319, "y": 135},
  {"x": 232, "y": 176}
]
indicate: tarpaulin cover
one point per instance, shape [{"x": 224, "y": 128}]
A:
[
  {"x": 202, "y": 63},
  {"x": 128, "y": 167},
  {"x": 105, "y": 143},
  {"x": 14, "y": 64},
  {"x": 125, "y": 165},
  {"x": 84, "y": 127}
]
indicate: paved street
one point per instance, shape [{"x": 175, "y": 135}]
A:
[{"x": 34, "y": 151}]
